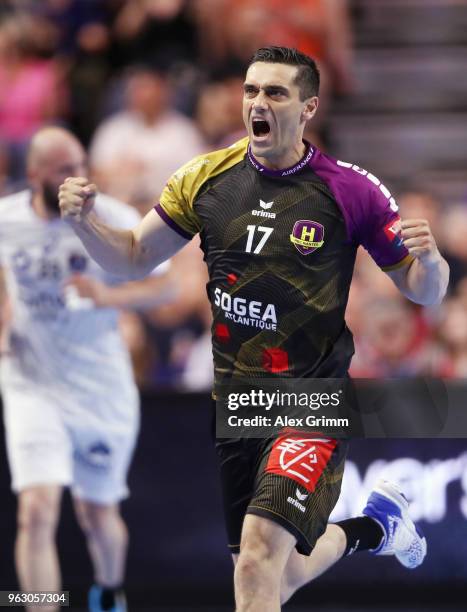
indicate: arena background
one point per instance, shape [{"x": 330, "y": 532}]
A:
[
  {"x": 178, "y": 557},
  {"x": 394, "y": 100}
]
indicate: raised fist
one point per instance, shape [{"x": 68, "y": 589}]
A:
[
  {"x": 419, "y": 240},
  {"x": 76, "y": 198}
]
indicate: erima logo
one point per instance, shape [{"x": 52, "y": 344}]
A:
[
  {"x": 297, "y": 504},
  {"x": 301, "y": 496},
  {"x": 263, "y": 213}
]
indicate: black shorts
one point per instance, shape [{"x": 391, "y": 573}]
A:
[{"x": 293, "y": 480}]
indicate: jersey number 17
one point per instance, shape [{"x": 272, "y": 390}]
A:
[{"x": 266, "y": 231}]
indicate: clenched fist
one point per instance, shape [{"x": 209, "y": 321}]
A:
[
  {"x": 419, "y": 240},
  {"x": 76, "y": 198}
]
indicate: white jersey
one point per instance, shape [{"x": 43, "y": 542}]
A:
[{"x": 73, "y": 356}]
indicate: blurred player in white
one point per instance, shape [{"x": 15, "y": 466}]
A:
[{"x": 70, "y": 403}]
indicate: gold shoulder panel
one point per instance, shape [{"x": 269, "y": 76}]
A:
[{"x": 180, "y": 193}]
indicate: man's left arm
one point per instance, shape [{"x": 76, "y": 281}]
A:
[
  {"x": 425, "y": 280},
  {"x": 134, "y": 295}
]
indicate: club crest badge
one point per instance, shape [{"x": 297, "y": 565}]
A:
[{"x": 307, "y": 236}]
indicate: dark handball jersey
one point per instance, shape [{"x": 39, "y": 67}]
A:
[{"x": 280, "y": 247}]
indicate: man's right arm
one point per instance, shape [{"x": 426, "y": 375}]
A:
[{"x": 130, "y": 254}]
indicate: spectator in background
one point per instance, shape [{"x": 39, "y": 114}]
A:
[
  {"x": 89, "y": 76},
  {"x": 451, "y": 334},
  {"x": 449, "y": 225},
  {"x": 218, "y": 112},
  {"x": 454, "y": 233},
  {"x": 85, "y": 47},
  {"x": 5, "y": 182},
  {"x": 198, "y": 374},
  {"x": 143, "y": 352},
  {"x": 148, "y": 30},
  {"x": 417, "y": 203},
  {"x": 373, "y": 285},
  {"x": 462, "y": 290},
  {"x": 134, "y": 151},
  {"x": 32, "y": 90},
  {"x": 182, "y": 326},
  {"x": 71, "y": 17},
  {"x": 419, "y": 343},
  {"x": 395, "y": 341},
  {"x": 6, "y": 8}
]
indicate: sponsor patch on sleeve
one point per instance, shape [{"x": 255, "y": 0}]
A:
[{"x": 392, "y": 231}]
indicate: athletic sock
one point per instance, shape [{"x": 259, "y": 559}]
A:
[
  {"x": 362, "y": 533},
  {"x": 108, "y": 596}
]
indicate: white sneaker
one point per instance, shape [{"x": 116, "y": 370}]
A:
[{"x": 388, "y": 506}]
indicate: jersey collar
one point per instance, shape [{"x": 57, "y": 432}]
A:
[{"x": 286, "y": 171}]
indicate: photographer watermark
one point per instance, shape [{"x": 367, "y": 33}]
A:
[
  {"x": 285, "y": 401},
  {"x": 342, "y": 408},
  {"x": 261, "y": 398}
]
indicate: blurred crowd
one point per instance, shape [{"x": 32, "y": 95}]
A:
[
  {"x": 149, "y": 84},
  {"x": 395, "y": 337}
]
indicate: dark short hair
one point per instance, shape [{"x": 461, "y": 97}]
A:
[{"x": 307, "y": 77}]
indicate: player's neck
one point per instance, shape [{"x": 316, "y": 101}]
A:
[
  {"x": 283, "y": 160},
  {"x": 41, "y": 209}
]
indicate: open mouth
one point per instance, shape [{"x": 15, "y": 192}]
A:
[{"x": 260, "y": 127}]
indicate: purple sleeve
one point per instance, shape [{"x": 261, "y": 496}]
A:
[
  {"x": 380, "y": 231},
  {"x": 369, "y": 210}
]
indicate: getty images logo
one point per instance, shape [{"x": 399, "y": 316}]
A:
[{"x": 262, "y": 213}]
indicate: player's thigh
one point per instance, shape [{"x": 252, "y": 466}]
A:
[
  {"x": 298, "y": 484},
  {"x": 237, "y": 476},
  {"x": 101, "y": 460},
  {"x": 38, "y": 446}
]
